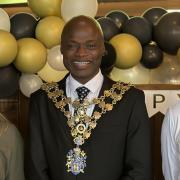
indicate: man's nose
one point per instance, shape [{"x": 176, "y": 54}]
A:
[{"x": 81, "y": 51}]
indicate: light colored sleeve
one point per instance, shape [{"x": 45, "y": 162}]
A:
[
  {"x": 169, "y": 149},
  {"x": 11, "y": 153},
  {"x": 15, "y": 170},
  {"x": 2, "y": 166}
]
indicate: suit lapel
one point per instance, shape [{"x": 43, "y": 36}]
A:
[
  {"x": 62, "y": 85},
  {"x": 107, "y": 84}
]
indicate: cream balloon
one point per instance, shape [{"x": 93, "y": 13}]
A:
[
  {"x": 45, "y": 8},
  {"x": 8, "y": 48},
  {"x": 71, "y": 8},
  {"x": 55, "y": 58},
  {"x": 168, "y": 72},
  {"x": 135, "y": 75},
  {"x": 29, "y": 83},
  {"x": 128, "y": 50},
  {"x": 5, "y": 23},
  {"x": 31, "y": 56},
  {"x": 48, "y": 74},
  {"x": 48, "y": 30}
]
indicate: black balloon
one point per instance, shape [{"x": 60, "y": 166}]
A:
[
  {"x": 153, "y": 14},
  {"x": 23, "y": 25},
  {"x": 9, "y": 81},
  {"x": 140, "y": 28},
  {"x": 152, "y": 56},
  {"x": 109, "y": 27},
  {"x": 167, "y": 32},
  {"x": 109, "y": 58},
  {"x": 119, "y": 17}
]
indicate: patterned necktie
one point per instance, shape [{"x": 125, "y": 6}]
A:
[{"x": 82, "y": 93}]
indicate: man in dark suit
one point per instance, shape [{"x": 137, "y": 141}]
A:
[{"x": 87, "y": 127}]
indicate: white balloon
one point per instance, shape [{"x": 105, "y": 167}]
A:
[
  {"x": 72, "y": 8},
  {"x": 55, "y": 58},
  {"x": 135, "y": 75},
  {"x": 5, "y": 23},
  {"x": 29, "y": 83}
]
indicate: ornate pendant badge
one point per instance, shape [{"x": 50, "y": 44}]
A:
[{"x": 76, "y": 161}]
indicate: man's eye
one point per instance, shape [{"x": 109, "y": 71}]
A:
[{"x": 72, "y": 46}]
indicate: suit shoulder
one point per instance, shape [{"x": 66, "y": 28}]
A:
[
  {"x": 37, "y": 94},
  {"x": 45, "y": 88},
  {"x": 135, "y": 90},
  {"x": 134, "y": 94},
  {"x": 130, "y": 91}
]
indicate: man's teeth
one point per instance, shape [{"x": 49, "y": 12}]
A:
[{"x": 82, "y": 62}]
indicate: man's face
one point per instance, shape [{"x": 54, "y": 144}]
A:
[{"x": 82, "y": 48}]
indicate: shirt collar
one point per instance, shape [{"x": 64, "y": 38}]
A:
[{"x": 92, "y": 84}]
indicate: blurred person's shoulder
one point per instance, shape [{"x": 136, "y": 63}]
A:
[
  {"x": 174, "y": 109},
  {"x": 9, "y": 134}
]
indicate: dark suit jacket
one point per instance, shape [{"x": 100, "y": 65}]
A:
[{"x": 119, "y": 147}]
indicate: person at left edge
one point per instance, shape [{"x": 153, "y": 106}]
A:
[{"x": 11, "y": 151}]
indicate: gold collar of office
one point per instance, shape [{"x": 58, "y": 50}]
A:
[
  {"x": 105, "y": 103},
  {"x": 80, "y": 123}
]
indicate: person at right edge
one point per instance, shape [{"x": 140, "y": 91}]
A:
[
  {"x": 170, "y": 143},
  {"x": 87, "y": 127}
]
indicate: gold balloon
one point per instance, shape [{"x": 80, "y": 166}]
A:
[
  {"x": 71, "y": 8},
  {"x": 8, "y": 48},
  {"x": 44, "y": 8},
  {"x": 49, "y": 30},
  {"x": 128, "y": 50},
  {"x": 31, "y": 56},
  {"x": 48, "y": 74}
]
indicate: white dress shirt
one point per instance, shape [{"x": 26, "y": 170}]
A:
[
  {"x": 170, "y": 143},
  {"x": 94, "y": 85}
]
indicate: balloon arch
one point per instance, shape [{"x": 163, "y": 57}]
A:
[{"x": 142, "y": 49}]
